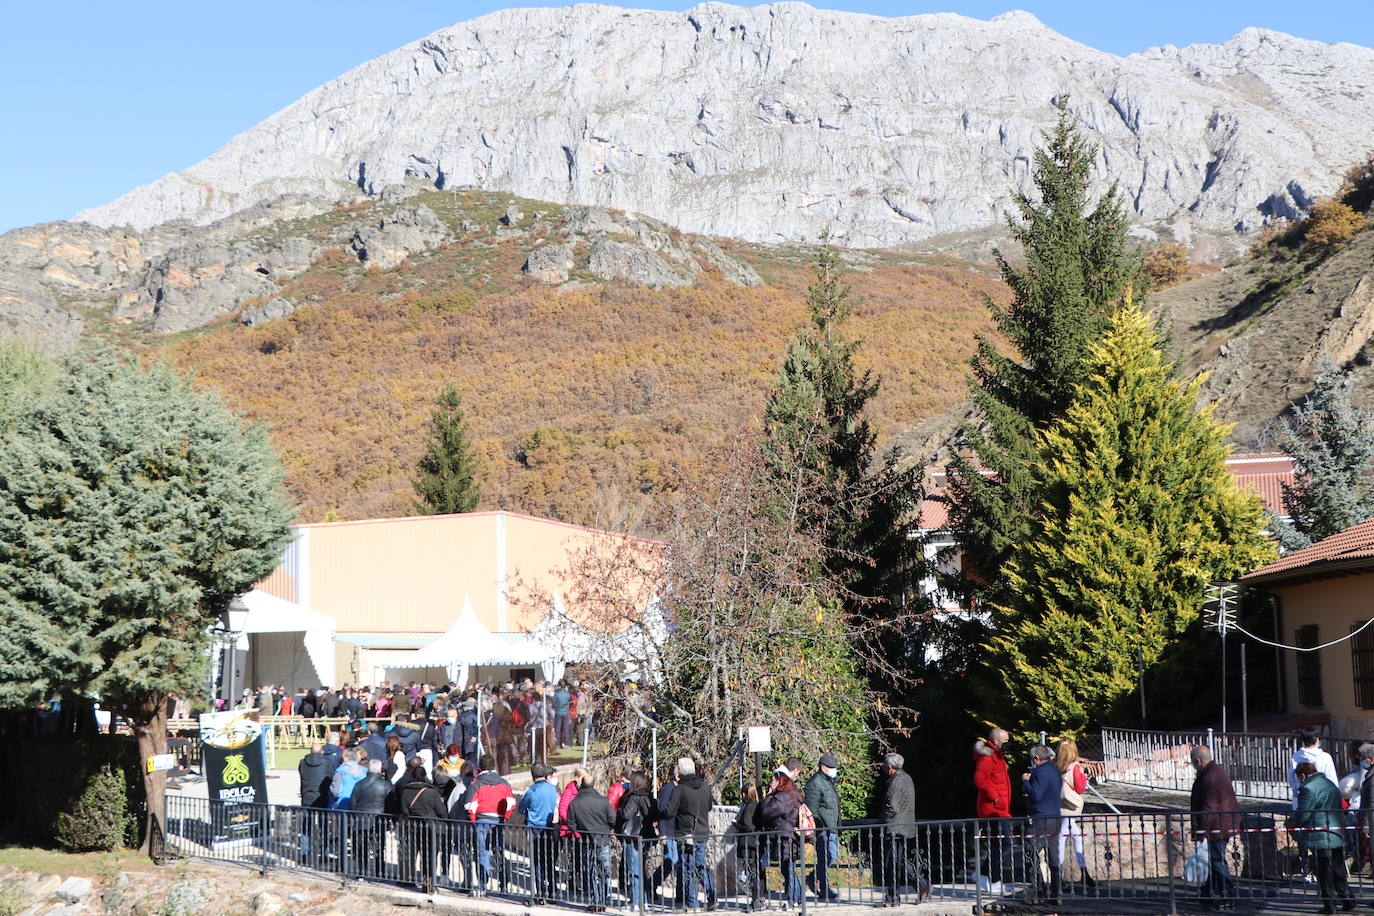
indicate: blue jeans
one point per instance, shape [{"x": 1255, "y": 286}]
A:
[
  {"x": 1219, "y": 885},
  {"x": 791, "y": 883},
  {"x": 596, "y": 860},
  {"x": 562, "y": 729},
  {"x": 489, "y": 835},
  {"x": 634, "y": 872},
  {"x": 691, "y": 869},
  {"x": 668, "y": 867},
  {"x": 826, "y": 857}
]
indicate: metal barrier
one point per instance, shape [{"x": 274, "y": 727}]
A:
[
  {"x": 1143, "y": 862},
  {"x": 1259, "y": 764}
]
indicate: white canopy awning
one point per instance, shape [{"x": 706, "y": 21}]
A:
[
  {"x": 270, "y": 614},
  {"x": 464, "y": 645}
]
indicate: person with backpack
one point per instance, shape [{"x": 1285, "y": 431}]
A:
[
  {"x": 691, "y": 808},
  {"x": 823, "y": 800},
  {"x": 779, "y": 816},
  {"x": 634, "y": 824}
]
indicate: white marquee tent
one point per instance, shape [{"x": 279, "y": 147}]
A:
[
  {"x": 272, "y": 619},
  {"x": 465, "y": 645}
]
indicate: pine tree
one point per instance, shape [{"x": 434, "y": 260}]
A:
[
  {"x": 132, "y": 510},
  {"x": 1137, "y": 514},
  {"x": 1077, "y": 268},
  {"x": 819, "y": 451},
  {"x": 447, "y": 481},
  {"x": 1332, "y": 445}
]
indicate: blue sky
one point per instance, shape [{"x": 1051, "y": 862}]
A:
[{"x": 100, "y": 98}]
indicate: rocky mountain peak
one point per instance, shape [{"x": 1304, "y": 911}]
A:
[{"x": 778, "y": 122}]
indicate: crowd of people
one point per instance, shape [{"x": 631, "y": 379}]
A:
[
  {"x": 461, "y": 820},
  {"x": 518, "y": 722},
  {"x": 444, "y": 755}
]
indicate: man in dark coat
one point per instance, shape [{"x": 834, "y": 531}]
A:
[
  {"x": 375, "y": 743},
  {"x": 690, "y": 807},
  {"x": 1043, "y": 785},
  {"x": 316, "y": 772},
  {"x": 467, "y": 727},
  {"x": 824, "y": 802},
  {"x": 422, "y": 809},
  {"x": 899, "y": 832},
  {"x": 592, "y": 819},
  {"x": 1216, "y": 819},
  {"x": 372, "y": 798}
]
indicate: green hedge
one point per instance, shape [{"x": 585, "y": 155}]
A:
[{"x": 78, "y": 792}]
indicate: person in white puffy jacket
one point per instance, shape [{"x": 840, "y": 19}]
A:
[{"x": 1311, "y": 752}]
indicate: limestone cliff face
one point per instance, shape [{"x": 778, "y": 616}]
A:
[{"x": 778, "y": 122}]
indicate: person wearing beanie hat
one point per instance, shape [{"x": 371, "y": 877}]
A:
[{"x": 824, "y": 801}]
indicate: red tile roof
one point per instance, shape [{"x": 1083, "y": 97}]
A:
[
  {"x": 1350, "y": 549},
  {"x": 1263, "y": 472}
]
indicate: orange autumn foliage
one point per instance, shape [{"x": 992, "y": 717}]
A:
[{"x": 585, "y": 402}]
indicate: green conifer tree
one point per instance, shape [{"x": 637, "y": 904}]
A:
[
  {"x": 447, "y": 481},
  {"x": 1137, "y": 514},
  {"x": 1077, "y": 267},
  {"x": 816, "y": 429},
  {"x": 132, "y": 510},
  {"x": 819, "y": 455},
  {"x": 1332, "y": 445}
]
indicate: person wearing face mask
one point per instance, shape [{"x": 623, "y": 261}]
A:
[
  {"x": 824, "y": 801},
  {"x": 448, "y": 732}
]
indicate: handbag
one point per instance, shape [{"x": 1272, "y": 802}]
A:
[
  {"x": 1199, "y": 865},
  {"x": 1070, "y": 799},
  {"x": 806, "y": 821}
]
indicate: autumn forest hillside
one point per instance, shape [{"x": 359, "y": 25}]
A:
[{"x": 588, "y": 397}]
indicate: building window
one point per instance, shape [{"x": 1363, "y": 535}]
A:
[
  {"x": 1309, "y": 666},
  {"x": 1362, "y": 663}
]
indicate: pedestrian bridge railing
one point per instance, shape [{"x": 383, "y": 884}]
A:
[
  {"x": 1259, "y": 764},
  {"x": 1146, "y": 862}
]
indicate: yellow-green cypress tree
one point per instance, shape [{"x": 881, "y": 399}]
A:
[{"x": 1138, "y": 514}]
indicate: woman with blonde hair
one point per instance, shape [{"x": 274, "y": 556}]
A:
[{"x": 1075, "y": 780}]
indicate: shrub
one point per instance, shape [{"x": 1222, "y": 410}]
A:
[
  {"x": 1166, "y": 264},
  {"x": 1330, "y": 224},
  {"x": 1357, "y": 190},
  {"x": 33, "y": 797},
  {"x": 98, "y": 819}
]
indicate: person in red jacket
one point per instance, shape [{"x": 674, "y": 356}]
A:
[
  {"x": 489, "y": 803},
  {"x": 993, "y": 783}
]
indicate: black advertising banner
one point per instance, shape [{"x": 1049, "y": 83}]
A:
[{"x": 235, "y": 768}]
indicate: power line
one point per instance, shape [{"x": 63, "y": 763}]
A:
[{"x": 1278, "y": 645}]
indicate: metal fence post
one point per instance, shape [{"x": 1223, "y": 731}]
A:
[
  {"x": 800, "y": 877},
  {"x": 638, "y": 879},
  {"x": 1169, "y": 859}
]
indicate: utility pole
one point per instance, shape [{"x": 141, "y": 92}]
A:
[{"x": 1221, "y": 610}]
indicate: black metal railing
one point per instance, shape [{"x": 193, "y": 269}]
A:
[{"x": 1140, "y": 862}]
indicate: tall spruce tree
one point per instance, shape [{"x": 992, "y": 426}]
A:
[
  {"x": 1332, "y": 445},
  {"x": 1137, "y": 514},
  {"x": 447, "y": 481},
  {"x": 132, "y": 510},
  {"x": 1077, "y": 267},
  {"x": 818, "y": 439}
]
